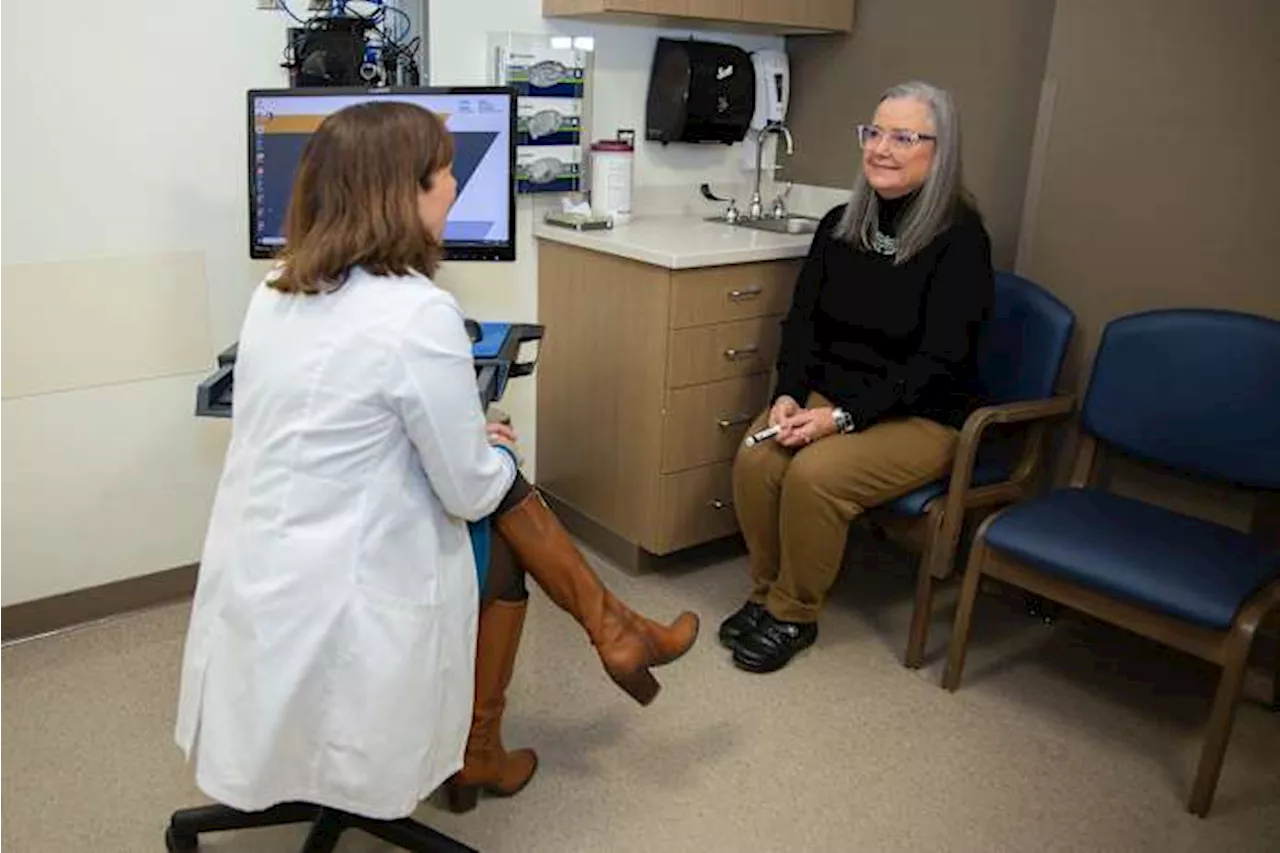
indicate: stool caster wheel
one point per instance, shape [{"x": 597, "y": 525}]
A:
[{"x": 179, "y": 842}]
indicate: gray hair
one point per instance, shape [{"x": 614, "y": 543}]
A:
[{"x": 930, "y": 212}]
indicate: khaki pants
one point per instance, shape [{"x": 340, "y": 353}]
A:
[{"x": 795, "y": 506}]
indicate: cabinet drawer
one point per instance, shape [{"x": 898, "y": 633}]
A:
[
  {"x": 723, "y": 351},
  {"x": 696, "y": 507},
  {"x": 706, "y": 423},
  {"x": 700, "y": 297}
]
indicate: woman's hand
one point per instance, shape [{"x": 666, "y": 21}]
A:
[
  {"x": 807, "y": 426},
  {"x": 503, "y": 435},
  {"x": 783, "y": 408}
]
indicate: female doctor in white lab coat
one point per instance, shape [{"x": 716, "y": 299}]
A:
[{"x": 332, "y": 654}]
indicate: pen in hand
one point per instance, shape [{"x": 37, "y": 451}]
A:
[{"x": 763, "y": 435}]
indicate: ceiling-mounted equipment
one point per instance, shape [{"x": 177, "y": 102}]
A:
[
  {"x": 330, "y": 51},
  {"x": 342, "y": 47}
]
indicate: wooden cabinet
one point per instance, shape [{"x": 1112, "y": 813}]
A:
[
  {"x": 834, "y": 15},
  {"x": 647, "y": 381},
  {"x": 727, "y": 10},
  {"x": 709, "y": 9},
  {"x": 780, "y": 16},
  {"x": 681, "y": 8}
]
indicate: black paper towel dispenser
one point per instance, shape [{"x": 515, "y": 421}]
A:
[{"x": 699, "y": 91}]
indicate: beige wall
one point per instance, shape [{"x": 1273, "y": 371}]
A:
[
  {"x": 124, "y": 272},
  {"x": 989, "y": 53},
  {"x": 1159, "y": 180},
  {"x": 1158, "y": 183}
]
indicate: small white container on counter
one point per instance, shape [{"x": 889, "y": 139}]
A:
[{"x": 612, "y": 163}]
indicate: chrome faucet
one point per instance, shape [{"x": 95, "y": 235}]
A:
[
  {"x": 778, "y": 210},
  {"x": 756, "y": 209}
]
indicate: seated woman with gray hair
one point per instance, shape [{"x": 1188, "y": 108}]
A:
[{"x": 876, "y": 371}]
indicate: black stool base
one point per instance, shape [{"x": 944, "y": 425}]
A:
[{"x": 327, "y": 825}]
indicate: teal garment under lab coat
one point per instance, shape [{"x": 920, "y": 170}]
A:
[
  {"x": 480, "y": 532},
  {"x": 481, "y": 536}
]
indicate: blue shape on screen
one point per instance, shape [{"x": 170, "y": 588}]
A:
[
  {"x": 467, "y": 232},
  {"x": 469, "y": 149}
]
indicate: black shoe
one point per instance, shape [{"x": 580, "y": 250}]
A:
[
  {"x": 773, "y": 644},
  {"x": 743, "y": 621}
]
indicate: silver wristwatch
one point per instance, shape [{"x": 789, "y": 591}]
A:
[{"x": 844, "y": 420}]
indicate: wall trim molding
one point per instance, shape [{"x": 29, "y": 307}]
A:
[{"x": 68, "y": 610}]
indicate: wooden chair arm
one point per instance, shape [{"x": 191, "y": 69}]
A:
[
  {"x": 1036, "y": 412},
  {"x": 1023, "y": 410},
  {"x": 1027, "y": 411}
]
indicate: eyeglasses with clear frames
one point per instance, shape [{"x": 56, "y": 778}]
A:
[{"x": 899, "y": 140}]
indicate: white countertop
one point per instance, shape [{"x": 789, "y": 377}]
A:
[{"x": 680, "y": 242}]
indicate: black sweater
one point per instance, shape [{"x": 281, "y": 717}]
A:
[{"x": 884, "y": 341}]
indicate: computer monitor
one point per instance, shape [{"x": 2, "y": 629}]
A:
[{"x": 481, "y": 225}]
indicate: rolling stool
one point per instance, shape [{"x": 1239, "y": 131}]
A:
[{"x": 327, "y": 826}]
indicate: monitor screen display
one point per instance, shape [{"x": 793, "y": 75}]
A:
[{"x": 481, "y": 225}]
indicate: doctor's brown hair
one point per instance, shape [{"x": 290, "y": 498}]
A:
[{"x": 355, "y": 197}]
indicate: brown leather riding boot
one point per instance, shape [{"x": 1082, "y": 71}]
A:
[
  {"x": 488, "y": 766},
  {"x": 628, "y": 643}
]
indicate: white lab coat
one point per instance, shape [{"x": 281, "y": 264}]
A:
[{"x": 330, "y": 655}]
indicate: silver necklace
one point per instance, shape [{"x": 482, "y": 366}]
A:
[{"x": 884, "y": 244}]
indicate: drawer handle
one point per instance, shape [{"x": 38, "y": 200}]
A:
[
  {"x": 745, "y": 293},
  {"x": 735, "y": 353},
  {"x": 736, "y": 420},
  {"x": 716, "y": 503}
]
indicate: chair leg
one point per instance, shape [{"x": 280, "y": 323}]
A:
[
  {"x": 325, "y": 833},
  {"x": 964, "y": 616},
  {"x": 327, "y": 827},
  {"x": 934, "y": 553},
  {"x": 920, "y": 615},
  {"x": 411, "y": 835},
  {"x": 186, "y": 825},
  {"x": 1218, "y": 730}
]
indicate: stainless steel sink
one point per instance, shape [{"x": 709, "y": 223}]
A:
[{"x": 792, "y": 223}]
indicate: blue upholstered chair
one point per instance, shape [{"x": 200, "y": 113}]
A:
[
  {"x": 1023, "y": 347},
  {"x": 1191, "y": 391}
]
